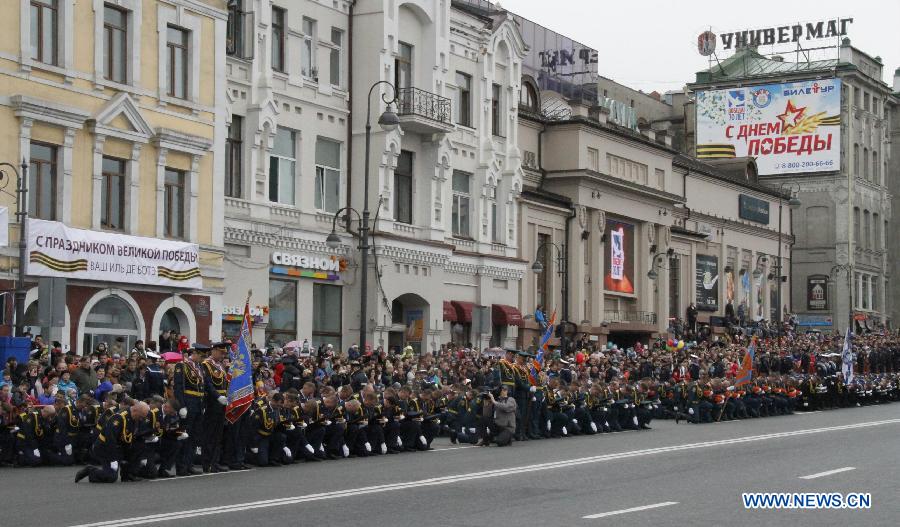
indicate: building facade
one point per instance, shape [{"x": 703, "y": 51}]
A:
[
  {"x": 443, "y": 186},
  {"x": 116, "y": 107},
  {"x": 843, "y": 225}
]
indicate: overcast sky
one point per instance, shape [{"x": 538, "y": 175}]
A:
[{"x": 652, "y": 44}]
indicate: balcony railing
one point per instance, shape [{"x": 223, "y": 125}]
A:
[
  {"x": 640, "y": 317},
  {"x": 417, "y": 102}
]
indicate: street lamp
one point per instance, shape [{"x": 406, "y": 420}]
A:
[
  {"x": 562, "y": 269},
  {"x": 657, "y": 263},
  {"x": 22, "y": 219},
  {"x": 388, "y": 121},
  {"x": 794, "y": 204}
]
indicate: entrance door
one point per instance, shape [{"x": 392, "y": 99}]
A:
[{"x": 112, "y": 321}]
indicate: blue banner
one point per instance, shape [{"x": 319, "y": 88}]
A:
[{"x": 240, "y": 387}]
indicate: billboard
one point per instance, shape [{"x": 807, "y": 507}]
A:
[
  {"x": 817, "y": 292},
  {"x": 707, "y": 282},
  {"x": 618, "y": 266},
  {"x": 789, "y": 128}
]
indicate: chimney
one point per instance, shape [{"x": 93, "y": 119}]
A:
[
  {"x": 600, "y": 113},
  {"x": 897, "y": 80}
]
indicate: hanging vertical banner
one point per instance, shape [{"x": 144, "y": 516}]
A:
[
  {"x": 817, "y": 293},
  {"x": 618, "y": 266},
  {"x": 4, "y": 227},
  {"x": 707, "y": 282}
]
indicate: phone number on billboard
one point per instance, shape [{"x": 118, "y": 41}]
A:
[{"x": 805, "y": 164}]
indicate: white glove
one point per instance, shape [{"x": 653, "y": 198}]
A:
[
  {"x": 565, "y": 431},
  {"x": 345, "y": 451},
  {"x": 143, "y": 462},
  {"x": 691, "y": 411},
  {"x": 593, "y": 426},
  {"x": 68, "y": 450},
  {"x": 533, "y": 399},
  {"x": 532, "y": 389},
  {"x": 182, "y": 413},
  {"x": 13, "y": 430},
  {"x": 634, "y": 420},
  {"x": 437, "y": 421},
  {"x": 114, "y": 465},
  {"x": 327, "y": 423},
  {"x": 222, "y": 400},
  {"x": 422, "y": 440},
  {"x": 548, "y": 424},
  {"x": 198, "y": 451},
  {"x": 289, "y": 427},
  {"x": 310, "y": 449},
  {"x": 154, "y": 439},
  {"x": 182, "y": 436},
  {"x": 36, "y": 452},
  {"x": 368, "y": 446},
  {"x": 383, "y": 448},
  {"x": 399, "y": 442},
  {"x": 165, "y": 382},
  {"x": 287, "y": 451},
  {"x": 254, "y": 450}
]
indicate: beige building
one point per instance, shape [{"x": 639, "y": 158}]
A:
[{"x": 118, "y": 109}]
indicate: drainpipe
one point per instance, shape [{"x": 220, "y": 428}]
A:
[{"x": 350, "y": 114}]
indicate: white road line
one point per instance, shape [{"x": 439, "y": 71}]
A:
[
  {"x": 828, "y": 473},
  {"x": 446, "y": 480},
  {"x": 633, "y": 509},
  {"x": 452, "y": 448},
  {"x": 808, "y": 413},
  {"x": 178, "y": 478}
]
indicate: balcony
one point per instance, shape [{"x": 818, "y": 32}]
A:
[
  {"x": 423, "y": 112},
  {"x": 633, "y": 317}
]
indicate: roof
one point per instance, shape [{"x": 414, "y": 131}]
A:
[
  {"x": 748, "y": 63},
  {"x": 549, "y": 198},
  {"x": 731, "y": 174}
]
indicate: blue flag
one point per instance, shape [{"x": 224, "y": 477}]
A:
[{"x": 240, "y": 387}]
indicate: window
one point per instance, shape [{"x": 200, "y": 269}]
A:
[
  {"x": 461, "y": 197},
  {"x": 233, "y": 155},
  {"x": 865, "y": 164},
  {"x": 326, "y": 315},
  {"x": 403, "y": 176},
  {"x": 875, "y": 105},
  {"x": 627, "y": 169},
  {"x": 282, "y": 327},
  {"x": 593, "y": 159},
  {"x": 308, "y": 51},
  {"x": 337, "y": 39},
  {"x": 867, "y": 239},
  {"x": 403, "y": 66},
  {"x": 528, "y": 97},
  {"x": 856, "y": 160},
  {"x": 865, "y": 291},
  {"x": 42, "y": 182},
  {"x": 463, "y": 101},
  {"x": 282, "y": 165},
  {"x": 876, "y": 235},
  {"x": 234, "y": 38},
  {"x": 328, "y": 175},
  {"x": 495, "y": 110},
  {"x": 865, "y": 101},
  {"x": 876, "y": 177},
  {"x": 542, "y": 285},
  {"x": 44, "y": 31},
  {"x": 496, "y": 231},
  {"x": 856, "y": 226},
  {"x": 112, "y": 194},
  {"x": 174, "y": 204},
  {"x": 115, "y": 44},
  {"x": 177, "y": 48},
  {"x": 278, "y": 18},
  {"x": 873, "y": 292}
]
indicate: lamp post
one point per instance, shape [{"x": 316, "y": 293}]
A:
[
  {"x": 22, "y": 219},
  {"x": 388, "y": 122},
  {"x": 848, "y": 270},
  {"x": 794, "y": 204},
  {"x": 562, "y": 269}
]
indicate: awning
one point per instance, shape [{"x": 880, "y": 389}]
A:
[
  {"x": 503, "y": 315},
  {"x": 449, "y": 312},
  {"x": 463, "y": 311}
]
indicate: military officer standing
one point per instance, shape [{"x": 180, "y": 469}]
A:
[
  {"x": 189, "y": 391},
  {"x": 215, "y": 392}
]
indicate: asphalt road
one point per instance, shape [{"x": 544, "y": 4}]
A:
[{"x": 671, "y": 475}]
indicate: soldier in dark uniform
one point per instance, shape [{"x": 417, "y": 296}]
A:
[
  {"x": 357, "y": 439},
  {"x": 189, "y": 388},
  {"x": 335, "y": 428},
  {"x": 31, "y": 426},
  {"x": 432, "y": 411},
  {"x": 216, "y": 390},
  {"x": 295, "y": 428},
  {"x": 315, "y": 429},
  {"x": 113, "y": 443},
  {"x": 264, "y": 418},
  {"x": 65, "y": 433},
  {"x": 375, "y": 423},
  {"x": 537, "y": 410},
  {"x": 521, "y": 393}
]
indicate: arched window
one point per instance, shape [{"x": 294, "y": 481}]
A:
[
  {"x": 528, "y": 97},
  {"x": 112, "y": 321}
]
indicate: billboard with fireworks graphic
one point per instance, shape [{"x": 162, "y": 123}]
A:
[{"x": 789, "y": 128}]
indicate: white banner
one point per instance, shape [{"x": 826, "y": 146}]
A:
[
  {"x": 788, "y": 128},
  {"x": 4, "y": 227},
  {"x": 57, "y": 250}
]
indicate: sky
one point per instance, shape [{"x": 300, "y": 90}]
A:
[{"x": 652, "y": 44}]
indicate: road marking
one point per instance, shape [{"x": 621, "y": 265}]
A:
[
  {"x": 446, "y": 480},
  {"x": 452, "y": 448},
  {"x": 177, "y": 478},
  {"x": 808, "y": 413},
  {"x": 633, "y": 509},
  {"x": 828, "y": 473}
]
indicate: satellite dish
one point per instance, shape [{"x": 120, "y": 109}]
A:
[{"x": 706, "y": 43}]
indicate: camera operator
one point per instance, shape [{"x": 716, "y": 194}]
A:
[{"x": 503, "y": 410}]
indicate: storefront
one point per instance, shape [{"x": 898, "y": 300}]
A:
[{"x": 294, "y": 296}]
